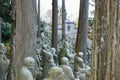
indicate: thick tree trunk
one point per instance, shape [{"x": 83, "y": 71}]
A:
[
  {"x": 116, "y": 71},
  {"x": 63, "y": 20},
  {"x": 105, "y": 39},
  {"x": 81, "y": 41},
  {"x": 25, "y": 32}
]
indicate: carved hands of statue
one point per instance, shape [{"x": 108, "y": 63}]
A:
[
  {"x": 3, "y": 60},
  {"x": 37, "y": 72}
]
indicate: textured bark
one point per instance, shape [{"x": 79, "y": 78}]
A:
[
  {"x": 10, "y": 75},
  {"x": 25, "y": 32},
  {"x": 38, "y": 31},
  {"x": 116, "y": 72},
  {"x": 63, "y": 20},
  {"x": 105, "y": 39},
  {"x": 81, "y": 41},
  {"x": 0, "y": 29},
  {"x": 54, "y": 23}
]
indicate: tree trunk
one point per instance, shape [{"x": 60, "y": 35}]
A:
[
  {"x": 116, "y": 71},
  {"x": 54, "y": 23},
  {"x": 25, "y": 32},
  {"x": 0, "y": 29},
  {"x": 38, "y": 31},
  {"x": 10, "y": 75},
  {"x": 81, "y": 41},
  {"x": 105, "y": 39},
  {"x": 63, "y": 20}
]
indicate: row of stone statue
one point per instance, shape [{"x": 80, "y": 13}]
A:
[
  {"x": 61, "y": 72},
  {"x": 47, "y": 68}
]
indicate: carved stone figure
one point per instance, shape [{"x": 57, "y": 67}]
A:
[
  {"x": 79, "y": 66},
  {"x": 55, "y": 73},
  {"x": 64, "y": 52},
  {"x": 55, "y": 56},
  {"x": 39, "y": 64},
  {"x": 28, "y": 69},
  {"x": 68, "y": 73},
  {"x": 48, "y": 60},
  {"x": 88, "y": 73},
  {"x": 4, "y": 62}
]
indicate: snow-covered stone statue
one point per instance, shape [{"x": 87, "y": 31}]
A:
[
  {"x": 79, "y": 66},
  {"x": 28, "y": 69},
  {"x": 55, "y": 73},
  {"x": 55, "y": 56},
  {"x": 48, "y": 60},
  {"x": 65, "y": 52},
  {"x": 68, "y": 73},
  {"x": 39, "y": 63},
  {"x": 88, "y": 73},
  {"x": 4, "y": 62}
]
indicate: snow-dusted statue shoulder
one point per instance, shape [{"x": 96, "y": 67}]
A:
[
  {"x": 55, "y": 73},
  {"x": 4, "y": 62},
  {"x": 26, "y": 73},
  {"x": 79, "y": 66},
  {"x": 68, "y": 73}
]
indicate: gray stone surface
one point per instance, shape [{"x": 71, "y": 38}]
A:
[
  {"x": 4, "y": 62},
  {"x": 55, "y": 73},
  {"x": 68, "y": 73}
]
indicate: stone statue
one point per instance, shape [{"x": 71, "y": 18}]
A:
[
  {"x": 39, "y": 65},
  {"x": 68, "y": 73},
  {"x": 55, "y": 73},
  {"x": 28, "y": 69},
  {"x": 4, "y": 62},
  {"x": 88, "y": 73},
  {"x": 55, "y": 56},
  {"x": 64, "y": 52},
  {"x": 79, "y": 66},
  {"x": 48, "y": 60}
]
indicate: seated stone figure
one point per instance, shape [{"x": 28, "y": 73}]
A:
[
  {"x": 88, "y": 72},
  {"x": 4, "y": 62},
  {"x": 27, "y": 71},
  {"x": 65, "y": 52},
  {"x": 48, "y": 60},
  {"x": 79, "y": 66},
  {"x": 68, "y": 73},
  {"x": 55, "y": 73},
  {"x": 55, "y": 56}
]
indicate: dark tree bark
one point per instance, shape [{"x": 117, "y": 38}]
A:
[
  {"x": 10, "y": 75},
  {"x": 81, "y": 40},
  {"x": 38, "y": 31},
  {"x": 63, "y": 20},
  {"x": 54, "y": 23},
  {"x": 0, "y": 29}
]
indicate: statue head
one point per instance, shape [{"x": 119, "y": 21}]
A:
[
  {"x": 53, "y": 50},
  {"x": 29, "y": 62},
  {"x": 80, "y": 54},
  {"x": 65, "y": 44},
  {"x": 2, "y": 48},
  {"x": 64, "y": 61},
  {"x": 44, "y": 46},
  {"x": 38, "y": 51},
  {"x": 55, "y": 72}
]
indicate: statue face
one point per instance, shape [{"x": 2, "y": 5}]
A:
[
  {"x": 65, "y": 61},
  {"x": 2, "y": 48},
  {"x": 29, "y": 62},
  {"x": 31, "y": 65},
  {"x": 53, "y": 50}
]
